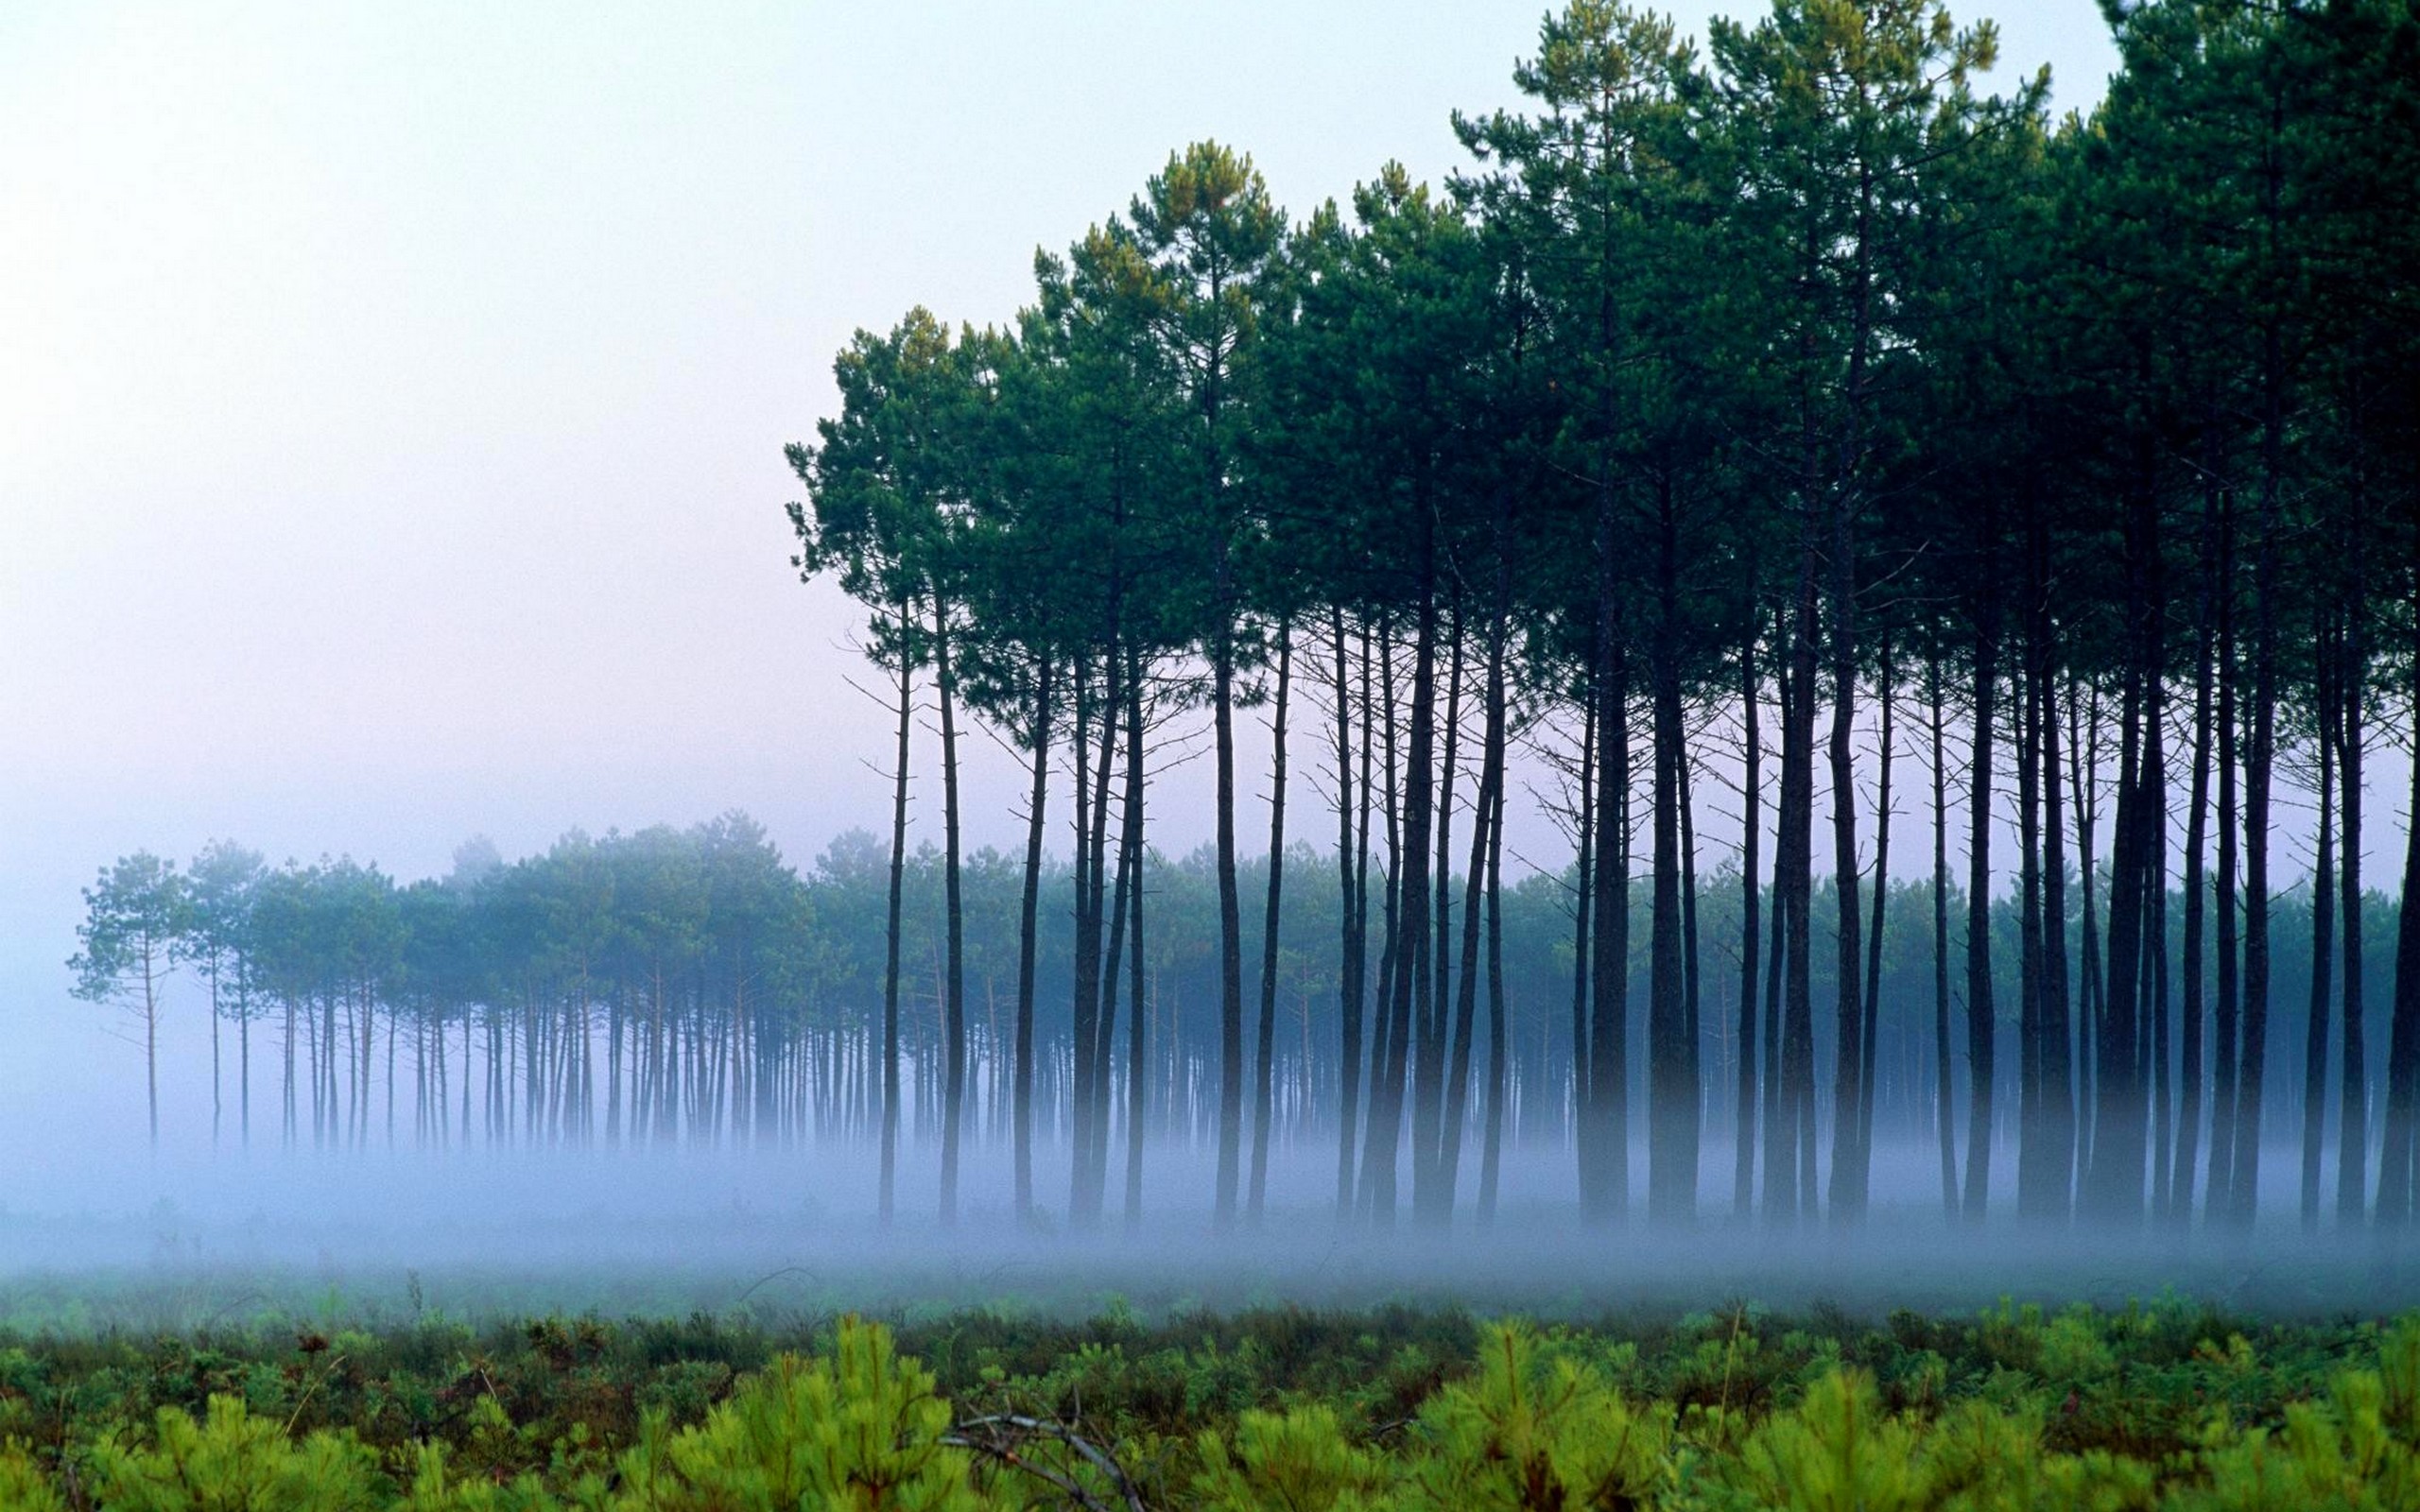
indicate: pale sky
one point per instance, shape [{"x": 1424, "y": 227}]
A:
[{"x": 394, "y": 395}]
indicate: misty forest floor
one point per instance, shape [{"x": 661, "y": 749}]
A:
[{"x": 2169, "y": 1402}]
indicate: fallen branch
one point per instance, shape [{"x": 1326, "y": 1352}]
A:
[{"x": 1006, "y": 1453}]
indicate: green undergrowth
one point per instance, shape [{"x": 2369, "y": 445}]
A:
[{"x": 2168, "y": 1405}]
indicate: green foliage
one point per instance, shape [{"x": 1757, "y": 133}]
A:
[
  {"x": 2167, "y": 1406},
  {"x": 860, "y": 1429},
  {"x": 234, "y": 1462},
  {"x": 1295, "y": 1461},
  {"x": 1539, "y": 1426},
  {"x": 24, "y": 1486}
]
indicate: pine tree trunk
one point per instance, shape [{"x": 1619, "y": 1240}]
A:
[
  {"x": 1352, "y": 796},
  {"x": 891, "y": 938},
  {"x": 1975, "y": 1203},
  {"x": 1944, "y": 1130},
  {"x": 1743, "y": 1155},
  {"x": 954, "y": 1030},
  {"x": 1672, "y": 1092},
  {"x": 1873, "y": 1027},
  {"x": 1037, "y": 801},
  {"x": 1137, "y": 1002},
  {"x": 2322, "y": 929},
  {"x": 2403, "y": 1032},
  {"x": 2352, "y": 1146}
]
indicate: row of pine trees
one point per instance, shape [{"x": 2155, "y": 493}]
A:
[
  {"x": 690, "y": 989},
  {"x": 1782, "y": 418},
  {"x": 1785, "y": 431}
]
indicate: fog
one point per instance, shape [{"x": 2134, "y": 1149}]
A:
[
  {"x": 396, "y": 410},
  {"x": 187, "y": 1241}
]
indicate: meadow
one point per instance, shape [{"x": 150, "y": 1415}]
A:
[{"x": 774, "y": 1400}]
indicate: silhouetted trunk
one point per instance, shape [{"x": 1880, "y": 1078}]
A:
[
  {"x": 1976, "y": 1201},
  {"x": 2223, "y": 1062},
  {"x": 2352, "y": 1151},
  {"x": 1583, "y": 961},
  {"x": 954, "y": 1030},
  {"x": 1873, "y": 1027},
  {"x": 2259, "y": 779},
  {"x": 1413, "y": 983},
  {"x": 2084, "y": 778},
  {"x": 1398, "y": 957},
  {"x": 2403, "y": 1034},
  {"x": 1607, "y": 1199},
  {"x": 1036, "y": 801},
  {"x": 1795, "y": 862},
  {"x": 1945, "y": 1131},
  {"x": 1351, "y": 863},
  {"x": 1435, "y": 1002},
  {"x": 1499, "y": 1085},
  {"x": 1486, "y": 812},
  {"x": 890, "y": 936},
  {"x": 1849, "y": 1091},
  {"x": 1266, "y": 1045},
  {"x": 1138, "y": 1003},
  {"x": 1671, "y": 1094},
  {"x": 1743, "y": 1156},
  {"x": 1231, "y": 935},
  {"x": 2193, "y": 1016},
  {"x": 2322, "y": 929},
  {"x": 1088, "y": 1079}
]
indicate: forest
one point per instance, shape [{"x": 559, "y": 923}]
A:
[{"x": 1789, "y": 430}]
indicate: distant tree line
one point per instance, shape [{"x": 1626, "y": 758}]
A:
[
  {"x": 1794, "y": 430},
  {"x": 1796, "y": 412},
  {"x": 679, "y": 989}
]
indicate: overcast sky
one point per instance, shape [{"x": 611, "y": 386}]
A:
[{"x": 392, "y": 397}]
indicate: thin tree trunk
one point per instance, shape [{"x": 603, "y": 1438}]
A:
[
  {"x": 2352, "y": 1152},
  {"x": 1975, "y": 1204},
  {"x": 1138, "y": 1004},
  {"x": 2323, "y": 928},
  {"x": 890, "y": 936},
  {"x": 1945, "y": 1130},
  {"x": 1744, "y": 1175},
  {"x": 1352, "y": 797},
  {"x": 1266, "y": 1042},
  {"x": 1872, "y": 1028},
  {"x": 1037, "y": 801},
  {"x": 954, "y": 1030}
]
